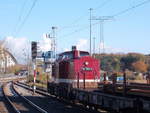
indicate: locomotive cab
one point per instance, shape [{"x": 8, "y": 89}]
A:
[
  {"x": 74, "y": 54},
  {"x": 76, "y": 69}
]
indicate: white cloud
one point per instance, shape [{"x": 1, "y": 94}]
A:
[
  {"x": 19, "y": 47},
  {"x": 45, "y": 43},
  {"x": 108, "y": 49},
  {"x": 66, "y": 49},
  {"x": 82, "y": 44}
]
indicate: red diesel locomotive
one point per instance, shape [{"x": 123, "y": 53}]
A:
[{"x": 74, "y": 69}]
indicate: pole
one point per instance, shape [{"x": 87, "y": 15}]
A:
[
  {"x": 101, "y": 37},
  {"x": 34, "y": 80},
  {"x": 104, "y": 78},
  {"x": 84, "y": 80},
  {"x": 28, "y": 64},
  {"x": 124, "y": 83},
  {"x": 90, "y": 30},
  {"x": 94, "y": 46},
  {"x": 54, "y": 41},
  {"x": 5, "y": 61},
  {"x": 114, "y": 82},
  {"x": 102, "y": 19},
  {"x": 53, "y": 29},
  {"x": 78, "y": 80},
  {"x": 47, "y": 78}
]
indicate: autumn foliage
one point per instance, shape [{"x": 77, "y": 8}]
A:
[
  {"x": 140, "y": 66},
  {"x": 134, "y": 62}
]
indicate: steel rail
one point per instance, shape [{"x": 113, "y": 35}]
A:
[
  {"x": 9, "y": 101},
  {"x": 29, "y": 102},
  {"x": 45, "y": 93}
]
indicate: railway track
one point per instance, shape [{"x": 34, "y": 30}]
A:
[
  {"x": 134, "y": 89},
  {"x": 4, "y": 106},
  {"x": 143, "y": 100},
  {"x": 12, "y": 78},
  {"x": 19, "y": 103},
  {"x": 57, "y": 105}
]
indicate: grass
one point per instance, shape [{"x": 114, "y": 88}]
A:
[{"x": 41, "y": 80}]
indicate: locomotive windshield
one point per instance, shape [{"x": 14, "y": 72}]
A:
[
  {"x": 66, "y": 55},
  {"x": 69, "y": 55},
  {"x": 83, "y": 53}
]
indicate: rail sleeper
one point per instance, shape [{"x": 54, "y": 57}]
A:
[
  {"x": 31, "y": 103},
  {"x": 14, "y": 108}
]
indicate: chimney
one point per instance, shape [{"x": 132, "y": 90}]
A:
[
  {"x": 76, "y": 53},
  {"x": 74, "y": 48}
]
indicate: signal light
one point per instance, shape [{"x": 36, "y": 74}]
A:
[{"x": 34, "y": 49}]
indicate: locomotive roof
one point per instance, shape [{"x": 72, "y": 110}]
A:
[
  {"x": 69, "y": 55},
  {"x": 67, "y": 52}
]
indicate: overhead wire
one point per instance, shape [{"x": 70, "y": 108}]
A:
[
  {"x": 115, "y": 15},
  {"x": 102, "y": 5},
  {"x": 74, "y": 22},
  {"x": 81, "y": 17},
  {"x": 131, "y": 8},
  {"x": 27, "y": 16},
  {"x": 20, "y": 16},
  {"x": 79, "y": 30}
]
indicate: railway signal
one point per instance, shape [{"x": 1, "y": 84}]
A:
[
  {"x": 34, "y": 49},
  {"x": 34, "y": 55}
]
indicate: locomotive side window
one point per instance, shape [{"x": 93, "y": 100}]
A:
[
  {"x": 68, "y": 55},
  {"x": 84, "y": 53},
  {"x": 59, "y": 57}
]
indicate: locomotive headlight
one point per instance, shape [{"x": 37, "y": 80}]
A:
[{"x": 86, "y": 63}]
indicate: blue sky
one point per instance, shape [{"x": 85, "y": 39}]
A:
[{"x": 129, "y": 32}]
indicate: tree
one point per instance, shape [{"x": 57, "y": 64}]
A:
[
  {"x": 127, "y": 61},
  {"x": 140, "y": 66},
  {"x": 110, "y": 63},
  {"x": 116, "y": 64},
  {"x": 120, "y": 62}
]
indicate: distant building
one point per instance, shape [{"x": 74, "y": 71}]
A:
[{"x": 6, "y": 60}]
